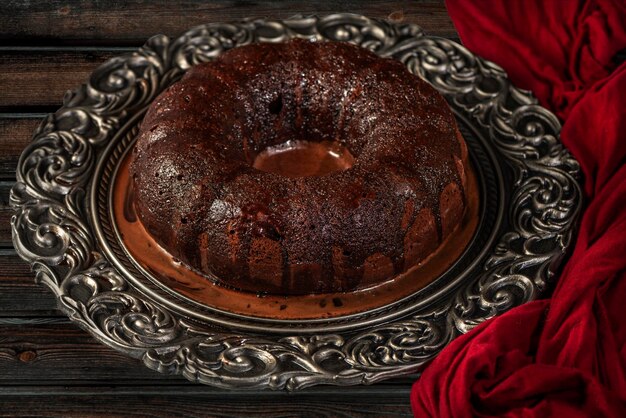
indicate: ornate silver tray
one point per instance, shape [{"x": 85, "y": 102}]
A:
[{"x": 63, "y": 225}]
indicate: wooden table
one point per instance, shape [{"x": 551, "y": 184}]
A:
[{"x": 48, "y": 366}]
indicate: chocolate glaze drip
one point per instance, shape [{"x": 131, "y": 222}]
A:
[{"x": 200, "y": 194}]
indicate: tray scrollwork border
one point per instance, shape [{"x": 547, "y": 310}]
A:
[{"x": 52, "y": 231}]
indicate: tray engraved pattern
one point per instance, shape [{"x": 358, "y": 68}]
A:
[{"x": 59, "y": 227}]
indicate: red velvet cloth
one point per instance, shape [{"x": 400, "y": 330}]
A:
[{"x": 563, "y": 356}]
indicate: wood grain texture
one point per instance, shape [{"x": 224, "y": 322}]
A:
[
  {"x": 41, "y": 77},
  {"x": 16, "y": 132},
  {"x": 5, "y": 216},
  {"x": 198, "y": 406},
  {"x": 20, "y": 296},
  {"x": 131, "y": 23},
  {"x": 62, "y": 353}
]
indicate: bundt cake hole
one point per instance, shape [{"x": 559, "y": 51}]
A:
[{"x": 297, "y": 158}]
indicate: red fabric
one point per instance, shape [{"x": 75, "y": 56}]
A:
[{"x": 563, "y": 356}]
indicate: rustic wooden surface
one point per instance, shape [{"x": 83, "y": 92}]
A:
[{"x": 50, "y": 367}]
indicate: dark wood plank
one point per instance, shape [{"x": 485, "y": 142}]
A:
[
  {"x": 173, "y": 404},
  {"x": 41, "y": 77},
  {"x": 5, "y": 216},
  {"x": 16, "y": 132},
  {"x": 131, "y": 23},
  {"x": 63, "y": 354},
  {"x": 186, "y": 388},
  {"x": 20, "y": 296}
]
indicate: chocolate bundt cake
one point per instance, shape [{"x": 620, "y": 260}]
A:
[{"x": 301, "y": 167}]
